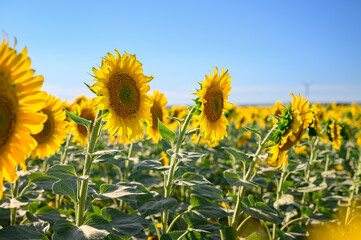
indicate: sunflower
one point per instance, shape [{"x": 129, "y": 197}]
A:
[
  {"x": 157, "y": 111},
  {"x": 179, "y": 112},
  {"x": 213, "y": 97},
  {"x": 54, "y": 132},
  {"x": 293, "y": 120},
  {"x": 333, "y": 133},
  {"x": 77, "y": 101},
  {"x": 87, "y": 111},
  {"x": 20, "y": 101},
  {"x": 122, "y": 88}
]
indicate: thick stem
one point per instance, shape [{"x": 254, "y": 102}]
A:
[
  {"x": 279, "y": 194},
  {"x": 127, "y": 162},
  {"x": 14, "y": 193},
  {"x": 87, "y": 168},
  {"x": 172, "y": 167},
  {"x": 354, "y": 189},
  {"x": 242, "y": 190}
]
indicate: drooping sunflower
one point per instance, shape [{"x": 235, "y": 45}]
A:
[
  {"x": 157, "y": 111},
  {"x": 87, "y": 111},
  {"x": 122, "y": 88},
  {"x": 333, "y": 133},
  {"x": 20, "y": 101},
  {"x": 213, "y": 97},
  {"x": 54, "y": 132},
  {"x": 293, "y": 120}
]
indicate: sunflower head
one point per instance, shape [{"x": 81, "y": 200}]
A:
[
  {"x": 122, "y": 89},
  {"x": 20, "y": 101},
  {"x": 212, "y": 102},
  {"x": 157, "y": 112},
  {"x": 55, "y": 129},
  {"x": 292, "y": 122},
  {"x": 87, "y": 111},
  {"x": 332, "y": 130}
]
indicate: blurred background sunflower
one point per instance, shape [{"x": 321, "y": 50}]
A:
[{"x": 157, "y": 112}]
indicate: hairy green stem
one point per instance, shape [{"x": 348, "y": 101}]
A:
[
  {"x": 172, "y": 167},
  {"x": 87, "y": 168},
  {"x": 279, "y": 194},
  {"x": 242, "y": 190}
]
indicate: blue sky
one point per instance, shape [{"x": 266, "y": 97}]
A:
[{"x": 270, "y": 47}]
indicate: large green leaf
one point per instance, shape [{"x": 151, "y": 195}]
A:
[
  {"x": 64, "y": 172},
  {"x": 234, "y": 179},
  {"x": 206, "y": 208},
  {"x": 192, "y": 179},
  {"x": 26, "y": 231},
  {"x": 66, "y": 187},
  {"x": 260, "y": 210},
  {"x": 123, "y": 224},
  {"x": 152, "y": 207},
  {"x": 165, "y": 132},
  {"x": 125, "y": 191},
  {"x": 96, "y": 228},
  {"x": 210, "y": 192},
  {"x": 77, "y": 119},
  {"x": 235, "y": 153},
  {"x": 14, "y": 202},
  {"x": 42, "y": 180},
  {"x": 151, "y": 164}
]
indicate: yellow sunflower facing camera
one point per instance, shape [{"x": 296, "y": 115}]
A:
[
  {"x": 122, "y": 89},
  {"x": 20, "y": 101},
  {"x": 292, "y": 122},
  {"x": 157, "y": 111},
  {"x": 213, "y": 97},
  {"x": 55, "y": 129}
]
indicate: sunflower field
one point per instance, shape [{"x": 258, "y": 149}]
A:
[{"x": 123, "y": 165}]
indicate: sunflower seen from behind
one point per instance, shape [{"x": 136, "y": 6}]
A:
[
  {"x": 212, "y": 98},
  {"x": 87, "y": 111},
  {"x": 157, "y": 112},
  {"x": 292, "y": 122},
  {"x": 122, "y": 89},
  {"x": 55, "y": 129},
  {"x": 20, "y": 101}
]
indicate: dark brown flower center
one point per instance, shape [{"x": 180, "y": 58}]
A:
[
  {"x": 48, "y": 130},
  {"x": 124, "y": 95},
  {"x": 214, "y": 105}
]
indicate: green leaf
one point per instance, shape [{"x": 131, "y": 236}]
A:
[
  {"x": 255, "y": 131},
  {"x": 64, "y": 229},
  {"x": 192, "y": 179},
  {"x": 26, "y": 231},
  {"x": 66, "y": 187},
  {"x": 124, "y": 191},
  {"x": 254, "y": 236},
  {"x": 124, "y": 225},
  {"x": 196, "y": 221},
  {"x": 42, "y": 180},
  {"x": 234, "y": 179},
  {"x": 207, "y": 209},
  {"x": 285, "y": 199},
  {"x": 64, "y": 172},
  {"x": 210, "y": 192},
  {"x": 165, "y": 132},
  {"x": 191, "y": 132},
  {"x": 45, "y": 213},
  {"x": 268, "y": 172},
  {"x": 152, "y": 207},
  {"x": 77, "y": 119},
  {"x": 310, "y": 187},
  {"x": 14, "y": 202},
  {"x": 261, "y": 211},
  {"x": 151, "y": 164},
  {"x": 236, "y": 154}
]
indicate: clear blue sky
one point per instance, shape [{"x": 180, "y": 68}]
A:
[{"x": 270, "y": 47}]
